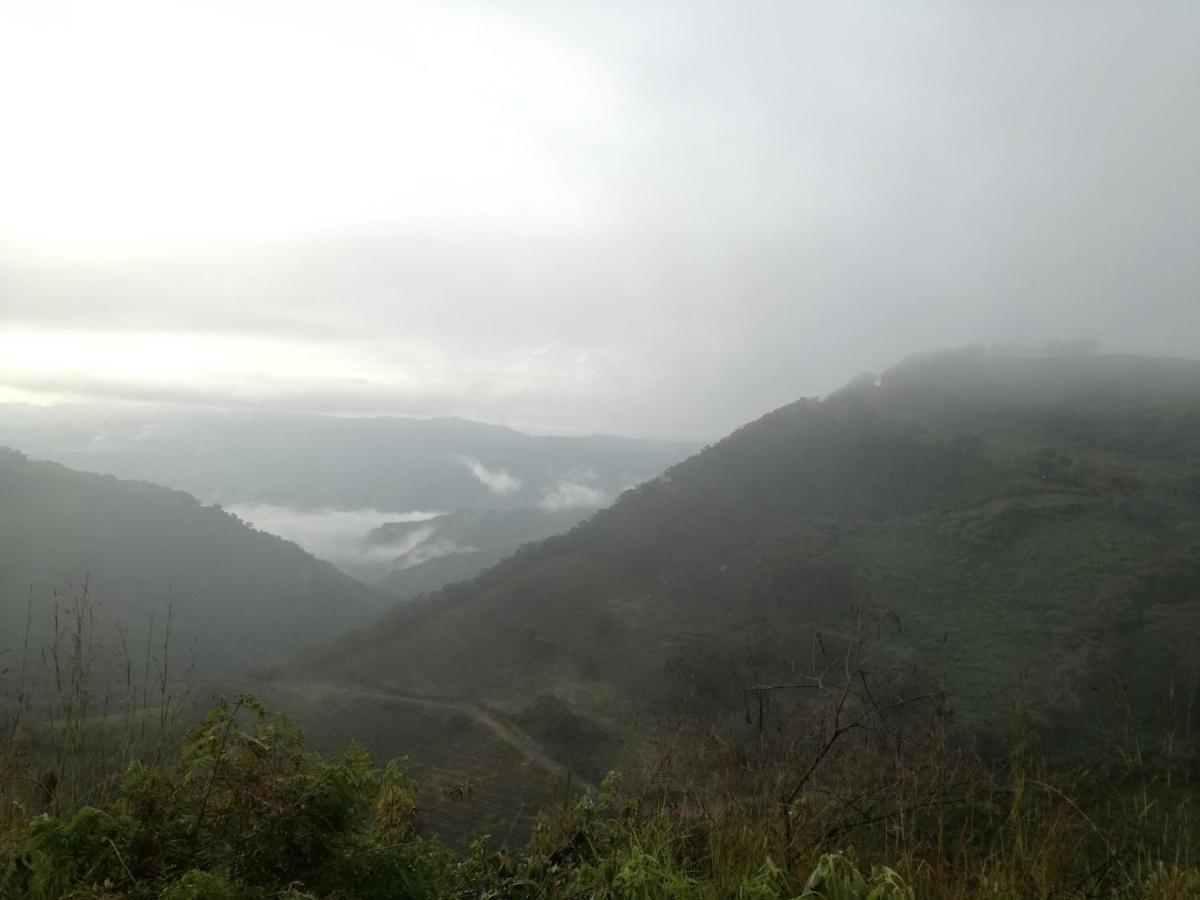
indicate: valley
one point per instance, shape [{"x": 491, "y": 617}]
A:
[{"x": 1016, "y": 533}]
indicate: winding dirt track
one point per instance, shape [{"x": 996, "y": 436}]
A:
[{"x": 510, "y": 735}]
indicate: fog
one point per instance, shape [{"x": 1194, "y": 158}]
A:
[
  {"x": 573, "y": 495},
  {"x": 657, "y": 219},
  {"x": 339, "y": 536}
]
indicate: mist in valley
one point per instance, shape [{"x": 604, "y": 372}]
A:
[{"x": 340, "y": 535}]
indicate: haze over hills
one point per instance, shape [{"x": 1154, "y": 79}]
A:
[
  {"x": 328, "y": 482},
  {"x": 236, "y": 596},
  {"x": 1030, "y": 520},
  {"x": 311, "y": 461}
]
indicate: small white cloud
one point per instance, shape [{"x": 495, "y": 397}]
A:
[
  {"x": 572, "y": 495},
  {"x": 498, "y": 481}
]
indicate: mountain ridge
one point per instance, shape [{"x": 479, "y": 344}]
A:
[
  {"x": 312, "y": 461},
  {"x": 140, "y": 550},
  {"x": 1029, "y": 515}
]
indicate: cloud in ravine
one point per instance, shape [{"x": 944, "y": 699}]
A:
[{"x": 339, "y": 536}]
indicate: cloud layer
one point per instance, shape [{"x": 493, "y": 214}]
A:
[
  {"x": 337, "y": 535},
  {"x": 655, "y": 218}
]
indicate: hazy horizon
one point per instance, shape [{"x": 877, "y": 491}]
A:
[{"x": 652, "y": 219}]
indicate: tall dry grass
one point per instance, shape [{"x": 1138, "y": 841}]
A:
[{"x": 78, "y": 708}]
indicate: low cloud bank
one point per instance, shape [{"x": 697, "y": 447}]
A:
[
  {"x": 498, "y": 481},
  {"x": 338, "y": 535}
]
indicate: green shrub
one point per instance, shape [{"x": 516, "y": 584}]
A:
[
  {"x": 836, "y": 877},
  {"x": 197, "y": 885},
  {"x": 246, "y": 812}
]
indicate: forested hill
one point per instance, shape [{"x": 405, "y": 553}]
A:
[
  {"x": 236, "y": 596},
  {"x": 1031, "y": 520}
]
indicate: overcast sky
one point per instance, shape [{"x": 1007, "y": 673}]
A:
[{"x": 650, "y": 218}]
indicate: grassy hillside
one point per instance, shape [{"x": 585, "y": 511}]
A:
[
  {"x": 1034, "y": 522},
  {"x": 479, "y": 776},
  {"x": 237, "y": 596}
]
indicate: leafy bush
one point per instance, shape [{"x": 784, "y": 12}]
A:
[
  {"x": 837, "y": 878},
  {"x": 246, "y": 812}
]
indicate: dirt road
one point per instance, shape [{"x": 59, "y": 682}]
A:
[{"x": 509, "y": 734}]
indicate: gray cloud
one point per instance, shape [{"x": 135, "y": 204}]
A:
[{"x": 793, "y": 193}]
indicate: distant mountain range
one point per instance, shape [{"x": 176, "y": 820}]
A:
[
  {"x": 1033, "y": 522},
  {"x": 312, "y": 461}
]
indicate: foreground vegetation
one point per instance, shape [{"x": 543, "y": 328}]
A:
[
  {"x": 849, "y": 781},
  {"x": 245, "y": 810}
]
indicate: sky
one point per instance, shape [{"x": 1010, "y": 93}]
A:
[{"x": 646, "y": 218}]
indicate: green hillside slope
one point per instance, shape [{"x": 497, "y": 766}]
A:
[
  {"x": 238, "y": 597},
  {"x": 1035, "y": 522}
]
